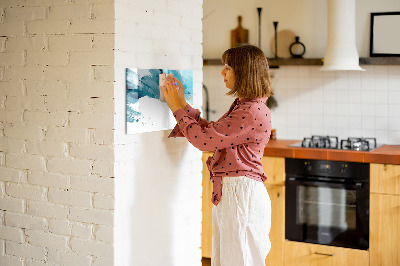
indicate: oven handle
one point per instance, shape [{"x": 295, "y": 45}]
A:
[
  {"x": 357, "y": 185},
  {"x": 324, "y": 254}
]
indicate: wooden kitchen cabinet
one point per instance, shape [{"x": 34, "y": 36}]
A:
[
  {"x": 384, "y": 236},
  {"x": 277, "y": 233},
  {"x": 305, "y": 254},
  {"x": 385, "y": 178},
  {"x": 206, "y": 225},
  {"x": 274, "y": 168}
]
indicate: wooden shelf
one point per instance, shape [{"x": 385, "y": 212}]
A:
[
  {"x": 212, "y": 62},
  {"x": 380, "y": 61},
  {"x": 274, "y": 63}
]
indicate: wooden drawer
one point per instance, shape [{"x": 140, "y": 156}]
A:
[
  {"x": 274, "y": 168},
  {"x": 385, "y": 178},
  {"x": 304, "y": 254}
]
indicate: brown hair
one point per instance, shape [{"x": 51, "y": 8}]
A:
[{"x": 250, "y": 66}]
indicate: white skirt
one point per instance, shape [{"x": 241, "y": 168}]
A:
[{"x": 241, "y": 223}]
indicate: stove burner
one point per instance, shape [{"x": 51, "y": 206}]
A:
[
  {"x": 328, "y": 142},
  {"x": 332, "y": 142},
  {"x": 358, "y": 144}
]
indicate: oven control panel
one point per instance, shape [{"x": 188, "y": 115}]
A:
[
  {"x": 325, "y": 167},
  {"x": 336, "y": 169}
]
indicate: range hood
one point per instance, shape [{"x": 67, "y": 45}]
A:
[{"x": 341, "y": 51}]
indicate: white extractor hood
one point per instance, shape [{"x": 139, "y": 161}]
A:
[{"x": 341, "y": 51}]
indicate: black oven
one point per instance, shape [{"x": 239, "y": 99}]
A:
[{"x": 327, "y": 202}]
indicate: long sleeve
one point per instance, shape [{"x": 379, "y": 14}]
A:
[
  {"x": 238, "y": 139},
  {"x": 193, "y": 113},
  {"x": 231, "y": 130}
]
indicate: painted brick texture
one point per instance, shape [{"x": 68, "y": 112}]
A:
[
  {"x": 62, "y": 135},
  {"x": 56, "y": 132}
]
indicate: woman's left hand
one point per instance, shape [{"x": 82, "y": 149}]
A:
[{"x": 170, "y": 90}]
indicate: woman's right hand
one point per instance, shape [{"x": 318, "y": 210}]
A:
[{"x": 181, "y": 91}]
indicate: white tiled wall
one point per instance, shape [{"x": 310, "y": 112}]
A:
[{"x": 311, "y": 102}]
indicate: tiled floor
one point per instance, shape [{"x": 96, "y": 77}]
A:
[{"x": 206, "y": 261}]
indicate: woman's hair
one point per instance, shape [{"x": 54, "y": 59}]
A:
[{"x": 250, "y": 66}]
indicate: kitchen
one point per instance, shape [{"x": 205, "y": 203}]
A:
[
  {"x": 76, "y": 189},
  {"x": 313, "y": 104}
]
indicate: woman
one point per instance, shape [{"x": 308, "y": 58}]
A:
[{"x": 242, "y": 208}]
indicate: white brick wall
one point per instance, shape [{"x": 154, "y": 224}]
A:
[
  {"x": 61, "y": 69},
  {"x": 25, "y": 251},
  {"x": 17, "y": 220},
  {"x": 68, "y": 258},
  {"x": 47, "y": 210},
  {"x": 156, "y": 177},
  {"x": 46, "y": 240},
  {"x": 11, "y": 233},
  {"x": 56, "y": 132}
]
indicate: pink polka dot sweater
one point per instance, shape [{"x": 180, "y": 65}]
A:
[{"x": 238, "y": 139}]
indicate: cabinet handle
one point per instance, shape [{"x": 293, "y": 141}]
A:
[{"x": 324, "y": 254}]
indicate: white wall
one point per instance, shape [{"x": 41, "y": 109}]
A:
[
  {"x": 56, "y": 132},
  {"x": 344, "y": 103},
  {"x": 158, "y": 180},
  {"x": 305, "y": 18}
]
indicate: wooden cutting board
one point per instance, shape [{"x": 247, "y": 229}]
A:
[{"x": 239, "y": 35}]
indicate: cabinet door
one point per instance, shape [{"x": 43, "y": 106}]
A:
[
  {"x": 274, "y": 168},
  {"x": 385, "y": 178},
  {"x": 277, "y": 233},
  {"x": 384, "y": 229},
  {"x": 206, "y": 226},
  {"x": 304, "y": 254}
]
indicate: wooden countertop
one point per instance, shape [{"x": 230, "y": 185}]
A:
[{"x": 389, "y": 154}]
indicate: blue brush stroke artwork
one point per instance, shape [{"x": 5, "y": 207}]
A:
[{"x": 145, "y": 112}]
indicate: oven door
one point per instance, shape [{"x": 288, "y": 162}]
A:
[{"x": 327, "y": 213}]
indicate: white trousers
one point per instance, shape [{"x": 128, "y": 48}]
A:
[{"x": 241, "y": 223}]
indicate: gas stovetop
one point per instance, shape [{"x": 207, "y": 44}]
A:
[{"x": 332, "y": 142}]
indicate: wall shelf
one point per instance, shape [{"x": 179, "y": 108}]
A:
[
  {"x": 380, "y": 61},
  {"x": 274, "y": 63}
]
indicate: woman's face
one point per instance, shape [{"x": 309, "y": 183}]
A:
[{"x": 229, "y": 76}]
